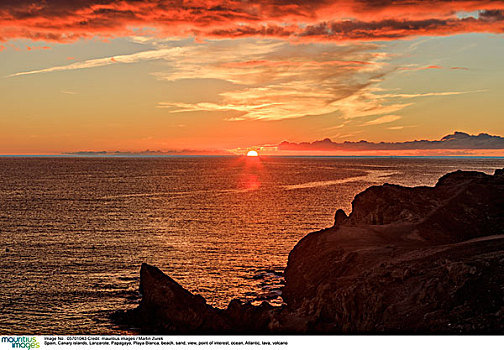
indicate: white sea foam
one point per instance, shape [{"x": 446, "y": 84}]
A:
[{"x": 374, "y": 176}]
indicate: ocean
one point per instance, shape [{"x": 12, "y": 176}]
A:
[{"x": 75, "y": 230}]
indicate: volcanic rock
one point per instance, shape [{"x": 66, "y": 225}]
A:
[{"x": 422, "y": 260}]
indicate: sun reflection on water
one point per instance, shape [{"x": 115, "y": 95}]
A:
[{"x": 252, "y": 171}]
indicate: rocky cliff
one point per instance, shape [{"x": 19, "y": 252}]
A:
[{"x": 417, "y": 260}]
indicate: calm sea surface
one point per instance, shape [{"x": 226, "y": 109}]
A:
[{"x": 74, "y": 231}]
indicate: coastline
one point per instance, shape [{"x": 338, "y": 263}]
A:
[{"x": 422, "y": 260}]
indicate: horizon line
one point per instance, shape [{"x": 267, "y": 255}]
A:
[{"x": 236, "y": 155}]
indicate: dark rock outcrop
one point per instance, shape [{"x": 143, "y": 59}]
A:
[
  {"x": 340, "y": 217},
  {"x": 168, "y": 308},
  {"x": 420, "y": 260},
  {"x": 461, "y": 206},
  {"x": 162, "y": 296}
]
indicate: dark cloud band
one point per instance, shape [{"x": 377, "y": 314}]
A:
[
  {"x": 456, "y": 141},
  {"x": 59, "y": 20}
]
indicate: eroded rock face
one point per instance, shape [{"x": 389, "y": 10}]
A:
[
  {"x": 461, "y": 206},
  {"x": 168, "y": 308},
  {"x": 406, "y": 260},
  {"x": 433, "y": 267},
  {"x": 444, "y": 289}
]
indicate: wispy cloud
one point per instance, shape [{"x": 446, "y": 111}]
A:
[
  {"x": 68, "y": 92},
  {"x": 272, "y": 79},
  {"x": 382, "y": 120},
  {"x": 33, "y": 48},
  {"x": 434, "y": 66},
  {"x": 99, "y": 62},
  {"x": 275, "y": 80}
]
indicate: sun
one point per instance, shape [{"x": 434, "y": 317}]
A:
[{"x": 252, "y": 154}]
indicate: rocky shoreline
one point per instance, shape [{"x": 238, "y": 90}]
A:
[{"x": 422, "y": 260}]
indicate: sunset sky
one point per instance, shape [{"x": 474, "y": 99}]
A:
[{"x": 226, "y": 75}]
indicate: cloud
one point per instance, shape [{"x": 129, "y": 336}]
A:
[
  {"x": 455, "y": 141},
  {"x": 31, "y": 48},
  {"x": 131, "y": 58},
  {"x": 148, "y": 153},
  {"x": 435, "y": 66},
  {"x": 382, "y": 120},
  {"x": 271, "y": 79},
  {"x": 274, "y": 80},
  {"x": 429, "y": 94},
  {"x": 400, "y": 127},
  {"x": 64, "y": 21}
]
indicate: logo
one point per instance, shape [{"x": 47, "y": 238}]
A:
[{"x": 22, "y": 342}]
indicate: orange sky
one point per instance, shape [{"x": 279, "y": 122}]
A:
[{"x": 221, "y": 76}]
